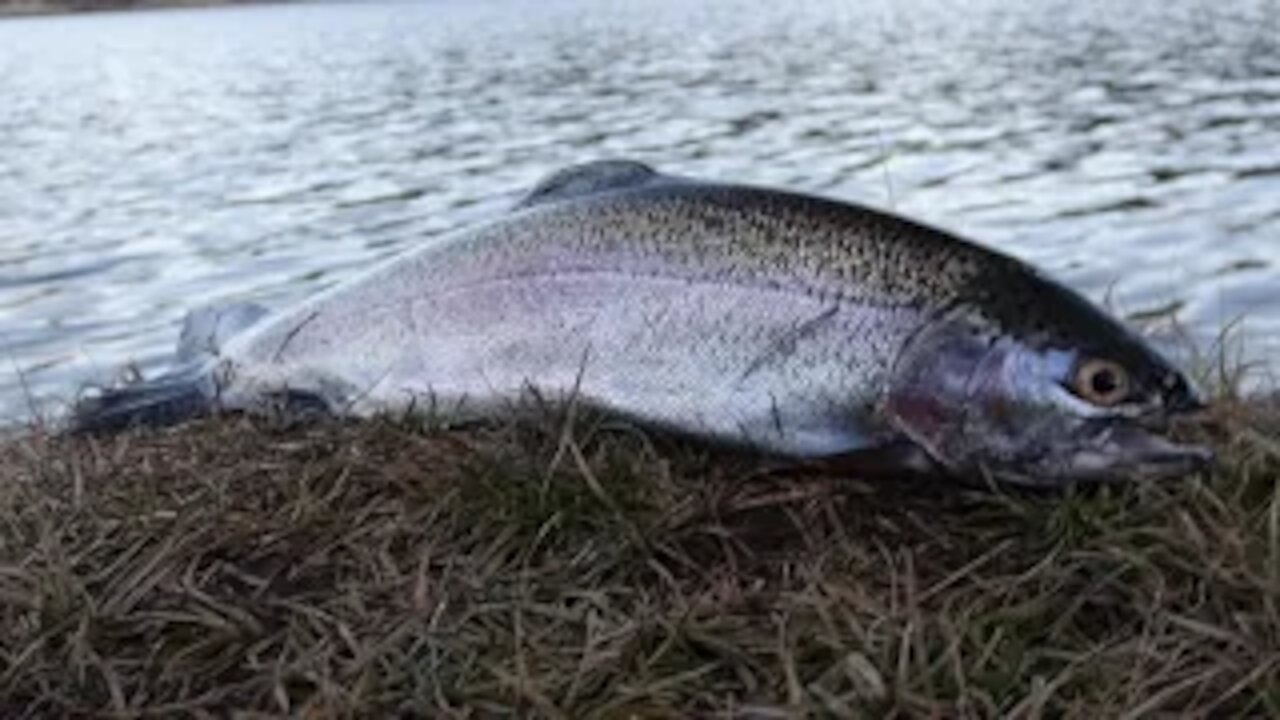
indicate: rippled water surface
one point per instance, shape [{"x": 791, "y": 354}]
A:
[{"x": 155, "y": 161}]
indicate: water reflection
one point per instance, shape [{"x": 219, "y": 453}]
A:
[{"x": 156, "y": 161}]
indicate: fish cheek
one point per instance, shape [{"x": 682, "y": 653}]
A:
[
  {"x": 1021, "y": 431},
  {"x": 1002, "y": 410}
]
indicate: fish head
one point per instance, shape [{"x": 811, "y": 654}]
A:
[{"x": 1046, "y": 408}]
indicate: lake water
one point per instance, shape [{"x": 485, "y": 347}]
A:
[{"x": 155, "y": 161}]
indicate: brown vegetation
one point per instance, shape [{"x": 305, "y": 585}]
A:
[{"x": 581, "y": 568}]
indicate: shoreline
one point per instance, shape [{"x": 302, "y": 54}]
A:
[{"x": 45, "y": 8}]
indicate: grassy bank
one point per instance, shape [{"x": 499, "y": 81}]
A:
[{"x": 574, "y": 568}]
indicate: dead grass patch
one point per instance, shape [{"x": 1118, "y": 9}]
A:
[{"x": 587, "y": 569}]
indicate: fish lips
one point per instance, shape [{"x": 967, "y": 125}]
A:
[{"x": 1120, "y": 451}]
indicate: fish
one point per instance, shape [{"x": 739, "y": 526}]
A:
[{"x": 797, "y": 325}]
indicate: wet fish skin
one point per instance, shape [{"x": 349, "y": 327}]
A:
[
  {"x": 798, "y": 324},
  {"x": 739, "y": 321}
]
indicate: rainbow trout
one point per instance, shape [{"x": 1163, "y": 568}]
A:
[{"x": 795, "y": 324}]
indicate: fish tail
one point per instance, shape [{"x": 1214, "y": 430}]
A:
[{"x": 166, "y": 400}]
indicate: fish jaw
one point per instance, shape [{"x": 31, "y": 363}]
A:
[{"x": 1125, "y": 452}]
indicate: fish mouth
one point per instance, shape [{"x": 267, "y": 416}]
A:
[{"x": 1129, "y": 451}]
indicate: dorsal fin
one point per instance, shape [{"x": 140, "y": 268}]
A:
[
  {"x": 588, "y": 179},
  {"x": 206, "y": 329}
]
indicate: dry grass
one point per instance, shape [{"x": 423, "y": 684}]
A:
[{"x": 584, "y": 569}]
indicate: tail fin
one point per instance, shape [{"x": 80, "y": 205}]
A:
[
  {"x": 166, "y": 400},
  {"x": 180, "y": 394}
]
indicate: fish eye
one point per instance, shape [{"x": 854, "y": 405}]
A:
[{"x": 1101, "y": 382}]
